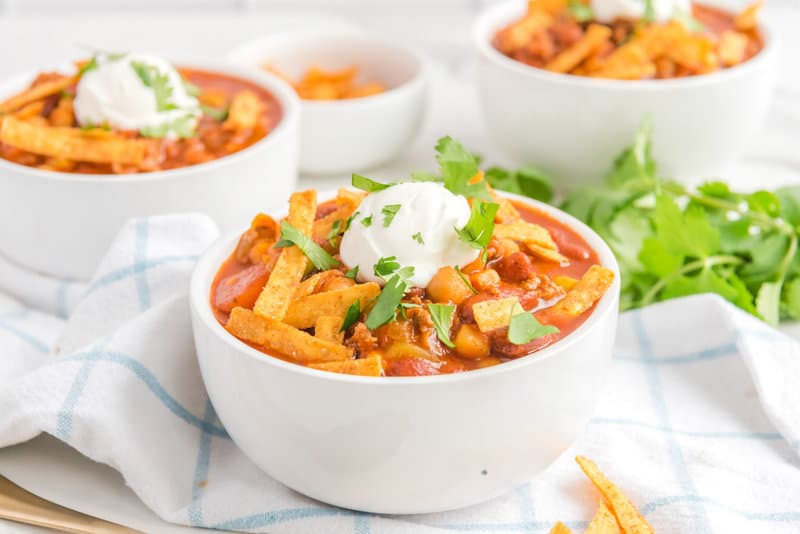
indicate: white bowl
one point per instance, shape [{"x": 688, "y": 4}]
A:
[
  {"x": 404, "y": 445},
  {"x": 62, "y": 223},
  {"x": 355, "y": 134},
  {"x": 573, "y": 126}
]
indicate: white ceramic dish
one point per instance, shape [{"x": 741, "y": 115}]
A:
[
  {"x": 404, "y": 444},
  {"x": 62, "y": 223},
  {"x": 356, "y": 134},
  {"x": 572, "y": 126}
]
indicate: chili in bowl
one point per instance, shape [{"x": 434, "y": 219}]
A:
[
  {"x": 129, "y": 135},
  {"x": 340, "y": 342},
  {"x": 564, "y": 84}
]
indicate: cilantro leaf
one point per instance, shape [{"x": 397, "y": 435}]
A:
[
  {"x": 349, "y": 221},
  {"x": 649, "y": 11},
  {"x": 366, "y": 184},
  {"x": 315, "y": 253},
  {"x": 217, "y": 114},
  {"x": 478, "y": 230},
  {"x": 524, "y": 328},
  {"x": 386, "y": 266},
  {"x": 366, "y": 222},
  {"x": 190, "y": 88},
  {"x": 89, "y": 65},
  {"x": 351, "y": 315},
  {"x": 389, "y": 211},
  {"x": 158, "y": 81},
  {"x": 333, "y": 234},
  {"x": 458, "y": 166},
  {"x": 352, "y": 273},
  {"x": 182, "y": 127},
  {"x": 580, "y": 12},
  {"x": 442, "y": 317},
  {"x": 418, "y": 238},
  {"x": 387, "y": 302},
  {"x": 527, "y": 181}
]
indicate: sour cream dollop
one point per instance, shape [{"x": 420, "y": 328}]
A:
[
  {"x": 120, "y": 92},
  {"x": 421, "y": 234},
  {"x": 663, "y": 10}
]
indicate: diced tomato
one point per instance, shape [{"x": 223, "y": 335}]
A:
[{"x": 241, "y": 289}]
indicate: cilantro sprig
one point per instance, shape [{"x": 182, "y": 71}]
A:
[
  {"x": 351, "y": 315},
  {"x": 315, "y": 253},
  {"x": 442, "y": 317},
  {"x": 156, "y": 80},
  {"x": 580, "y": 12},
  {"x": 391, "y": 295},
  {"x": 478, "y": 230},
  {"x": 389, "y": 211}
]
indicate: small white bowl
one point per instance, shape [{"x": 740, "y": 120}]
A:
[
  {"x": 401, "y": 445},
  {"x": 572, "y": 126},
  {"x": 354, "y": 134},
  {"x": 61, "y": 223}
]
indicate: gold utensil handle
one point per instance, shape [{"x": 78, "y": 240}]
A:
[{"x": 21, "y": 506}]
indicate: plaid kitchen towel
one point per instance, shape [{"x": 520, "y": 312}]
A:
[{"x": 700, "y": 423}]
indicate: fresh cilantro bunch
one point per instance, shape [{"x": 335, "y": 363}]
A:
[{"x": 672, "y": 241}]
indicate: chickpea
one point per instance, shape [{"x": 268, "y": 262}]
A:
[
  {"x": 471, "y": 342},
  {"x": 447, "y": 286}
]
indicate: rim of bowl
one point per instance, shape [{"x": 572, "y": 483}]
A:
[
  {"x": 496, "y": 16},
  {"x": 206, "y": 269},
  {"x": 262, "y": 45},
  {"x": 283, "y": 93}
]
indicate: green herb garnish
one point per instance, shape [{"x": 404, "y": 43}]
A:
[
  {"x": 442, "y": 316},
  {"x": 352, "y": 273},
  {"x": 458, "y": 166},
  {"x": 387, "y": 302},
  {"x": 89, "y": 65},
  {"x": 465, "y": 280},
  {"x": 156, "y": 80},
  {"x": 315, "y": 253},
  {"x": 478, "y": 230},
  {"x": 182, "y": 127},
  {"x": 351, "y": 316},
  {"x": 333, "y": 235},
  {"x": 386, "y": 266},
  {"x": 671, "y": 240},
  {"x": 527, "y": 181},
  {"x": 190, "y": 88},
  {"x": 366, "y": 184},
  {"x": 215, "y": 113},
  {"x": 389, "y": 211},
  {"x": 366, "y": 222},
  {"x": 90, "y": 126},
  {"x": 418, "y": 238},
  {"x": 685, "y": 17},
  {"x": 580, "y": 12},
  {"x": 524, "y": 328},
  {"x": 349, "y": 221},
  {"x": 649, "y": 11}
]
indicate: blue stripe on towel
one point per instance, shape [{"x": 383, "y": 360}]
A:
[
  {"x": 681, "y": 471},
  {"x": 152, "y": 383}
]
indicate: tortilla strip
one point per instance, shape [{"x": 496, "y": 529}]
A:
[
  {"x": 328, "y": 328},
  {"x": 323, "y": 225},
  {"x": 372, "y": 366},
  {"x": 732, "y": 47},
  {"x": 245, "y": 111},
  {"x": 73, "y": 143},
  {"x": 628, "y": 517},
  {"x": 588, "y": 290},
  {"x": 596, "y": 35},
  {"x": 547, "y": 254},
  {"x": 628, "y": 62},
  {"x": 27, "y": 111},
  {"x": 284, "y": 339},
  {"x": 747, "y": 19},
  {"x": 291, "y": 265},
  {"x": 525, "y": 232},
  {"x": 560, "y": 528},
  {"x": 518, "y": 34},
  {"x": 37, "y": 92},
  {"x": 493, "y": 314},
  {"x": 303, "y": 312},
  {"x": 603, "y": 521}
]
